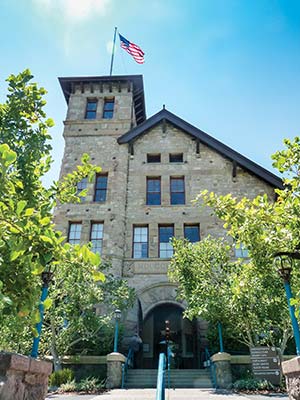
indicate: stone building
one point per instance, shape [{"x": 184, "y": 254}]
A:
[{"x": 151, "y": 171}]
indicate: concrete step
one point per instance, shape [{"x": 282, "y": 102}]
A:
[{"x": 184, "y": 378}]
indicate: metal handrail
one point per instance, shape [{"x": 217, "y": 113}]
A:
[
  {"x": 160, "y": 386},
  {"x": 128, "y": 363},
  {"x": 211, "y": 366}
]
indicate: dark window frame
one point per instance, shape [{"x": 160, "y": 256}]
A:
[
  {"x": 72, "y": 240},
  {"x": 93, "y": 223},
  {"x": 159, "y": 237},
  {"x": 176, "y": 157},
  {"x": 149, "y": 193},
  {"x": 97, "y": 190},
  {"x": 173, "y": 193},
  {"x": 133, "y": 242},
  {"x": 191, "y": 226},
  {"x": 91, "y": 113},
  {"x": 108, "y": 111},
  {"x": 153, "y": 158}
]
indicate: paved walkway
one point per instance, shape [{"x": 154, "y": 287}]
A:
[{"x": 178, "y": 394}]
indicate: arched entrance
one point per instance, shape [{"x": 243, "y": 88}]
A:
[{"x": 183, "y": 336}]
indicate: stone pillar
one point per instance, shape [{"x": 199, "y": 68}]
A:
[
  {"x": 114, "y": 370},
  {"x": 222, "y": 368},
  {"x": 291, "y": 371},
  {"x": 23, "y": 378}
]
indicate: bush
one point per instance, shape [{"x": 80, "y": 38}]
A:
[
  {"x": 68, "y": 387},
  {"x": 253, "y": 385},
  {"x": 60, "y": 377},
  {"x": 90, "y": 384}
]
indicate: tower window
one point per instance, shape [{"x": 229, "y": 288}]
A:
[
  {"x": 91, "y": 109},
  {"x": 153, "y": 191},
  {"x": 177, "y": 191},
  {"x": 153, "y": 158},
  {"x": 166, "y": 232},
  {"x": 176, "y": 158},
  {"x": 96, "y": 236},
  {"x": 108, "y": 108},
  {"x": 74, "y": 232},
  {"x": 101, "y": 188},
  {"x": 241, "y": 251},
  {"x": 140, "y": 241},
  {"x": 82, "y": 185},
  {"x": 192, "y": 232}
]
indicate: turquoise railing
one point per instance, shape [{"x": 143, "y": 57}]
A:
[
  {"x": 128, "y": 363},
  {"x": 212, "y": 369},
  {"x": 160, "y": 386}
]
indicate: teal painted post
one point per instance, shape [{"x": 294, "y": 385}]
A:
[
  {"x": 160, "y": 386},
  {"x": 36, "y": 340},
  {"x": 116, "y": 336},
  {"x": 295, "y": 324},
  {"x": 220, "y": 337}
]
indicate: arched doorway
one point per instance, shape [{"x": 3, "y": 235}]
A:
[{"x": 183, "y": 337}]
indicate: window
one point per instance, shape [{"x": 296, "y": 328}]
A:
[
  {"x": 74, "y": 232},
  {"x": 177, "y": 192},
  {"x": 108, "y": 108},
  {"x": 166, "y": 232},
  {"x": 140, "y": 241},
  {"x": 177, "y": 157},
  {"x": 241, "y": 251},
  {"x": 82, "y": 185},
  {"x": 153, "y": 158},
  {"x": 97, "y": 236},
  {"x": 192, "y": 233},
  {"x": 91, "y": 109},
  {"x": 153, "y": 191},
  {"x": 101, "y": 188}
]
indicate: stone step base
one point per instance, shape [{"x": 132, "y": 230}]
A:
[{"x": 147, "y": 378}]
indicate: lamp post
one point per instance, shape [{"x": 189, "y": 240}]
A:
[
  {"x": 118, "y": 315},
  {"x": 284, "y": 261},
  {"x": 46, "y": 279}
]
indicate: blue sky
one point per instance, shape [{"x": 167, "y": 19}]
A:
[{"x": 230, "y": 67}]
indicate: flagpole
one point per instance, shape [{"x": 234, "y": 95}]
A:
[{"x": 113, "y": 52}]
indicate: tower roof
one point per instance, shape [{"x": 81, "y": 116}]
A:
[
  {"x": 67, "y": 84},
  {"x": 205, "y": 138}
]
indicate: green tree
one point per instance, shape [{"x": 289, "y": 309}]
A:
[
  {"x": 218, "y": 289},
  {"x": 29, "y": 242}
]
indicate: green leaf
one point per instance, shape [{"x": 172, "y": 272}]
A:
[
  {"x": 29, "y": 212},
  {"x": 47, "y": 303},
  {"x": 46, "y": 239},
  {"x": 95, "y": 258},
  {"x": 36, "y": 317},
  {"x": 20, "y": 206},
  {"x": 98, "y": 276},
  {"x": 45, "y": 221},
  {"x": 15, "y": 254}
]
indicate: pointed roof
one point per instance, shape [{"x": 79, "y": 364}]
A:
[{"x": 242, "y": 161}]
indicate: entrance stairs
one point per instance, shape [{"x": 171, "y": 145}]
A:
[{"x": 179, "y": 378}]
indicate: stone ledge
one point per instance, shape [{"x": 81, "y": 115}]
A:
[{"x": 291, "y": 366}]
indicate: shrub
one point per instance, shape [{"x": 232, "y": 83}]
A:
[
  {"x": 60, "y": 377},
  {"x": 252, "y": 384},
  {"x": 68, "y": 387},
  {"x": 90, "y": 384}
]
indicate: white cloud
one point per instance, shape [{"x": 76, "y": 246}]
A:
[{"x": 74, "y": 10}]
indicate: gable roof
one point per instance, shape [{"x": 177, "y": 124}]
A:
[{"x": 242, "y": 161}]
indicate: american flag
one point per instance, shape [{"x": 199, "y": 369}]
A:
[{"x": 135, "y": 51}]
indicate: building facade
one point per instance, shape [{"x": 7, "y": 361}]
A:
[{"x": 151, "y": 171}]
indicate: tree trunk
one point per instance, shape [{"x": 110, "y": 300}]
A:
[{"x": 53, "y": 350}]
